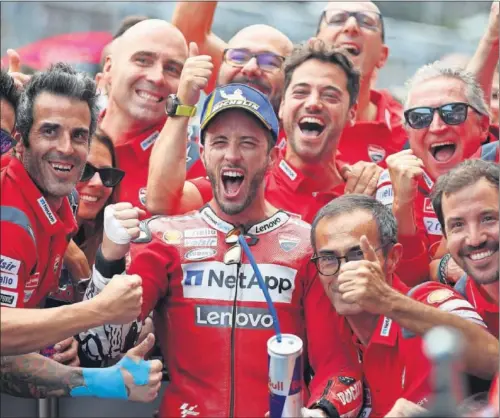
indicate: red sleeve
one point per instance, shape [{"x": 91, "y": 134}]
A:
[
  {"x": 204, "y": 187},
  {"x": 334, "y": 362},
  {"x": 17, "y": 260},
  {"x": 155, "y": 262},
  {"x": 196, "y": 170},
  {"x": 413, "y": 268}
]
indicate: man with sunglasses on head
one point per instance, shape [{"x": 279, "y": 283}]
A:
[
  {"x": 56, "y": 117},
  {"x": 378, "y": 131},
  {"x": 447, "y": 119},
  {"x": 209, "y": 306},
  {"x": 356, "y": 250}
]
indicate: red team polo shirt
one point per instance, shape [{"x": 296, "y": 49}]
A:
[
  {"x": 374, "y": 141},
  {"x": 34, "y": 239},
  {"x": 394, "y": 365},
  {"x": 285, "y": 189}
]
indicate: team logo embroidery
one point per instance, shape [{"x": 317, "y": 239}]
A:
[
  {"x": 172, "y": 237},
  {"x": 200, "y": 254},
  {"x": 439, "y": 296},
  {"x": 376, "y": 153},
  {"x": 57, "y": 262},
  {"x": 236, "y": 95},
  {"x": 428, "y": 205},
  {"x": 33, "y": 281},
  {"x": 288, "y": 242},
  {"x": 142, "y": 195}
]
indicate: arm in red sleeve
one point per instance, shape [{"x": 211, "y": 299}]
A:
[
  {"x": 413, "y": 268},
  {"x": 18, "y": 258},
  {"x": 332, "y": 356},
  {"x": 154, "y": 262}
]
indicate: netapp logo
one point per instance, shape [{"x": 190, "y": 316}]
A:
[
  {"x": 222, "y": 316},
  {"x": 215, "y": 280}
]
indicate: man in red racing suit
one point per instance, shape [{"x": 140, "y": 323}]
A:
[{"x": 214, "y": 318}]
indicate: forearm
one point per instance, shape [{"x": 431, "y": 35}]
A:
[
  {"x": 484, "y": 62},
  {"x": 35, "y": 376},
  {"x": 420, "y": 318},
  {"x": 194, "y": 19},
  {"x": 405, "y": 217},
  {"x": 28, "y": 330},
  {"x": 167, "y": 167}
]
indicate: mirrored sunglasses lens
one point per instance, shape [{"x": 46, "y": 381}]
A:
[{"x": 454, "y": 114}]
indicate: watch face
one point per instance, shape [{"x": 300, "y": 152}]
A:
[{"x": 171, "y": 105}]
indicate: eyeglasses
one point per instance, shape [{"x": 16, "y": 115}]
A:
[
  {"x": 110, "y": 176},
  {"x": 450, "y": 113},
  {"x": 7, "y": 141},
  {"x": 267, "y": 61},
  {"x": 233, "y": 254},
  {"x": 329, "y": 265},
  {"x": 368, "y": 20}
]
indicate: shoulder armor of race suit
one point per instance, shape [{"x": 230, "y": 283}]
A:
[
  {"x": 297, "y": 220},
  {"x": 444, "y": 298},
  {"x": 342, "y": 397}
]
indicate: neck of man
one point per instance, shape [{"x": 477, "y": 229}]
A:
[
  {"x": 363, "y": 325},
  {"x": 322, "y": 175},
  {"x": 54, "y": 202},
  {"x": 367, "y": 111},
  {"x": 491, "y": 291},
  {"x": 257, "y": 211},
  {"x": 119, "y": 126}
]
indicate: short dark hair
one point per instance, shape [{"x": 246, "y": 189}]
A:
[
  {"x": 8, "y": 89},
  {"x": 127, "y": 23},
  {"x": 386, "y": 222},
  {"x": 60, "y": 79},
  {"x": 320, "y": 51},
  {"x": 465, "y": 174}
]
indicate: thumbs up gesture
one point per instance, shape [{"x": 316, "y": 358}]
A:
[
  {"x": 194, "y": 77},
  {"x": 14, "y": 70},
  {"x": 363, "y": 282},
  {"x": 142, "y": 378}
]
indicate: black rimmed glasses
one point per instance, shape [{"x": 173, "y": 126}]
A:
[
  {"x": 110, "y": 176},
  {"x": 450, "y": 113},
  {"x": 267, "y": 61}
]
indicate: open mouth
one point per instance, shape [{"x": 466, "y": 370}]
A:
[
  {"x": 352, "y": 49},
  {"x": 443, "y": 151},
  {"x": 149, "y": 96},
  {"x": 481, "y": 255},
  {"x": 89, "y": 198},
  {"x": 62, "y": 168},
  {"x": 232, "y": 180},
  {"x": 311, "y": 126}
]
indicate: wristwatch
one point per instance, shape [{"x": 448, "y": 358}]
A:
[{"x": 175, "y": 108}]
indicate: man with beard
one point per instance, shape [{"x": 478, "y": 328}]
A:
[
  {"x": 319, "y": 99},
  {"x": 447, "y": 120},
  {"x": 143, "y": 69},
  {"x": 354, "y": 239},
  {"x": 211, "y": 312},
  {"x": 466, "y": 203},
  {"x": 378, "y": 131}
]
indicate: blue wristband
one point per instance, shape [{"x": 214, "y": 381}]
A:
[{"x": 109, "y": 383}]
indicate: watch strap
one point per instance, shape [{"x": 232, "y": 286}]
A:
[{"x": 184, "y": 110}]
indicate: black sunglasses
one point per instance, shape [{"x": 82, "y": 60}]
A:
[
  {"x": 267, "y": 61},
  {"x": 110, "y": 176},
  {"x": 450, "y": 113},
  {"x": 7, "y": 141}
]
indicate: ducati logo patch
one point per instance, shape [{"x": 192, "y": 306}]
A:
[
  {"x": 376, "y": 153},
  {"x": 142, "y": 196}
]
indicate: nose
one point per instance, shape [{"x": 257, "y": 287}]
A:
[
  {"x": 155, "y": 74},
  {"x": 313, "y": 103},
  {"x": 251, "y": 67},
  {"x": 64, "y": 144},
  {"x": 233, "y": 152},
  {"x": 351, "y": 26},
  {"x": 437, "y": 123},
  {"x": 475, "y": 236},
  {"x": 95, "y": 181}
]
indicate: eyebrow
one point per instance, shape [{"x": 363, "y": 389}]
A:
[
  {"x": 146, "y": 53},
  {"x": 80, "y": 131},
  {"x": 51, "y": 125},
  {"x": 333, "y": 252},
  {"x": 306, "y": 85}
]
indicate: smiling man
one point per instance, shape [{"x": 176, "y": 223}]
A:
[
  {"x": 143, "y": 71},
  {"x": 466, "y": 204},
  {"x": 447, "y": 119}
]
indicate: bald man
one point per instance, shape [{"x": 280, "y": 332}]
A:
[{"x": 142, "y": 71}]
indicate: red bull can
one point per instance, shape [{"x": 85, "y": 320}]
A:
[
  {"x": 48, "y": 351},
  {"x": 285, "y": 376}
]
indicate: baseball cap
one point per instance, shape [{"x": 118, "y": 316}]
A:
[{"x": 239, "y": 96}]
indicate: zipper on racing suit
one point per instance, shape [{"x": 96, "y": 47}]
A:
[{"x": 233, "y": 336}]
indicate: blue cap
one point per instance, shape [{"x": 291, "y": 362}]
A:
[{"x": 239, "y": 96}]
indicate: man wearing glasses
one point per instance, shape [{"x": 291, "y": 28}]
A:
[
  {"x": 9, "y": 97},
  {"x": 447, "y": 119},
  {"x": 356, "y": 254},
  {"x": 209, "y": 305},
  {"x": 378, "y": 131}
]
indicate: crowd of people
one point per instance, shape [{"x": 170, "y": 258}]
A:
[{"x": 372, "y": 221}]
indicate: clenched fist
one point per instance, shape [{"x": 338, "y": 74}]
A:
[
  {"x": 195, "y": 76},
  {"x": 405, "y": 170},
  {"x": 361, "y": 177},
  {"x": 121, "y": 299}
]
